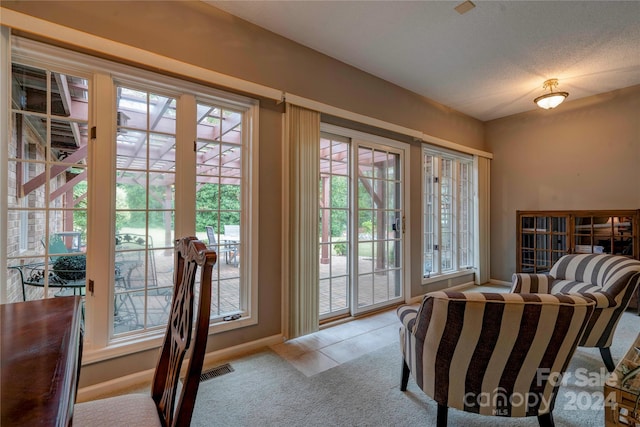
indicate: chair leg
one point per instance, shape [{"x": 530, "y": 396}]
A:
[
  {"x": 546, "y": 420},
  {"x": 605, "y": 352},
  {"x": 405, "y": 376},
  {"x": 442, "y": 415}
]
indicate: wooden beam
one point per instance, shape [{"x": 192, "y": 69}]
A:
[{"x": 38, "y": 181}]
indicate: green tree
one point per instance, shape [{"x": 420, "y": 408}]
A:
[
  {"x": 339, "y": 200},
  {"x": 217, "y": 200},
  {"x": 80, "y": 216}
]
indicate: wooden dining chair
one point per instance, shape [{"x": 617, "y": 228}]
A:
[{"x": 160, "y": 408}]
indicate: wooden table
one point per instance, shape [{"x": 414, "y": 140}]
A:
[{"x": 40, "y": 348}]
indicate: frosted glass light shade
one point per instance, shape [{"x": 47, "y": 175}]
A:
[{"x": 550, "y": 100}]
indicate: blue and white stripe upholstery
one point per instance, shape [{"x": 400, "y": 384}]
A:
[
  {"x": 492, "y": 353},
  {"x": 609, "y": 280}
]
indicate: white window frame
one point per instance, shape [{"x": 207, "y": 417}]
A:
[
  {"x": 458, "y": 267},
  {"x": 403, "y": 148},
  {"x": 98, "y": 344}
]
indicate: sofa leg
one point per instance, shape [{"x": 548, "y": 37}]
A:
[
  {"x": 442, "y": 415},
  {"x": 605, "y": 352},
  {"x": 546, "y": 420},
  {"x": 405, "y": 375}
]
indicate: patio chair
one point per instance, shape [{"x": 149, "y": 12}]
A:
[
  {"x": 64, "y": 269},
  {"x": 133, "y": 275},
  {"x": 160, "y": 408},
  {"x": 229, "y": 251},
  {"x": 131, "y": 250},
  {"x": 232, "y": 238},
  {"x": 56, "y": 247}
]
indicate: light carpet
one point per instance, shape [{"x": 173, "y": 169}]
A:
[{"x": 265, "y": 390}]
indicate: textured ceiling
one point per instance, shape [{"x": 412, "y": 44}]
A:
[{"x": 488, "y": 63}]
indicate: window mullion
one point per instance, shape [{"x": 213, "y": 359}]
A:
[
  {"x": 186, "y": 119},
  {"x": 437, "y": 209},
  {"x": 5, "y": 141},
  {"x": 101, "y": 205},
  {"x": 455, "y": 214}
]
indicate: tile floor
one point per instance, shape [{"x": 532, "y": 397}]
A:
[{"x": 334, "y": 345}]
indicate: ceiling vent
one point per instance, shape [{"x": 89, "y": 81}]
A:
[{"x": 464, "y": 7}]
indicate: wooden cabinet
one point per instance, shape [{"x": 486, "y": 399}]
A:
[
  {"x": 544, "y": 236},
  {"x": 622, "y": 391}
]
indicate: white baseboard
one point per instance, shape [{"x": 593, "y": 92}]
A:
[
  {"x": 461, "y": 287},
  {"x": 116, "y": 385},
  {"x": 500, "y": 282},
  {"x": 144, "y": 378}
]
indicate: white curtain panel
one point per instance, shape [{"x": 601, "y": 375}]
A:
[
  {"x": 482, "y": 240},
  {"x": 302, "y": 128}
]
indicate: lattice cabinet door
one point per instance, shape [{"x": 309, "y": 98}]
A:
[
  {"x": 605, "y": 233},
  {"x": 542, "y": 239}
]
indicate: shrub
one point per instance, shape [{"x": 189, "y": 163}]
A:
[{"x": 70, "y": 267}]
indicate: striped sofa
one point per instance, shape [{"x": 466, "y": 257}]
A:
[
  {"x": 609, "y": 280},
  {"x": 491, "y": 353}
]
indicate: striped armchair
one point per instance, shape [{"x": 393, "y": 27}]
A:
[
  {"x": 491, "y": 354},
  {"x": 609, "y": 280}
]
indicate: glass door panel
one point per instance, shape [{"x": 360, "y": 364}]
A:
[
  {"x": 623, "y": 235},
  {"x": 543, "y": 240},
  {"x": 335, "y": 241},
  {"x": 379, "y": 227},
  {"x": 360, "y": 226}
]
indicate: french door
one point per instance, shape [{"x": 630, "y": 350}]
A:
[{"x": 362, "y": 207}]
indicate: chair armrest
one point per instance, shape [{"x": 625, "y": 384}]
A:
[
  {"x": 32, "y": 273},
  {"x": 407, "y": 315},
  {"x": 526, "y": 283},
  {"x": 603, "y": 299}
]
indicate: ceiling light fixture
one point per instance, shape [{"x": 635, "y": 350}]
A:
[{"x": 552, "y": 99}]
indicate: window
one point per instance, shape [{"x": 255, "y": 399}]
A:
[
  {"x": 448, "y": 212},
  {"x": 219, "y": 199},
  {"x": 170, "y": 158},
  {"x": 47, "y": 171},
  {"x": 145, "y": 207}
]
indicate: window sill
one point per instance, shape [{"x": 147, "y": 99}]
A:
[
  {"x": 123, "y": 347},
  {"x": 446, "y": 276}
]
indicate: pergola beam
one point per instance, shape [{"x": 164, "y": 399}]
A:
[{"x": 38, "y": 181}]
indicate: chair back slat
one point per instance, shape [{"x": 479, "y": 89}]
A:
[{"x": 211, "y": 235}]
